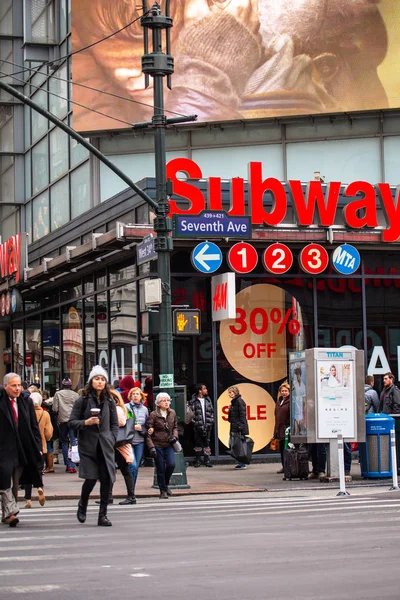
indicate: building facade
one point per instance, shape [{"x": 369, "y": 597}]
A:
[{"x": 80, "y": 298}]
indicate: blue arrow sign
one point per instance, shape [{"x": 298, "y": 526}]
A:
[{"x": 206, "y": 257}]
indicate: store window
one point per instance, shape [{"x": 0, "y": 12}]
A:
[
  {"x": 124, "y": 340},
  {"x": 52, "y": 375},
  {"x": 28, "y": 181},
  {"x": 41, "y": 222},
  {"x": 78, "y": 153},
  {"x": 80, "y": 190},
  {"x": 339, "y": 309},
  {"x": 102, "y": 330},
  {"x": 40, "y": 166},
  {"x": 73, "y": 344},
  {"x": 28, "y": 220},
  {"x": 39, "y": 123},
  {"x": 59, "y": 202},
  {"x": 58, "y": 85},
  {"x": 90, "y": 347},
  {"x": 337, "y": 160},
  {"x": 40, "y": 25},
  {"x": 33, "y": 342},
  {"x": 382, "y": 314},
  {"x": 18, "y": 349},
  {"x": 58, "y": 153},
  {"x": 6, "y": 20}
]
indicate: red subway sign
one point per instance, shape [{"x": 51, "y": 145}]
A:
[{"x": 316, "y": 205}]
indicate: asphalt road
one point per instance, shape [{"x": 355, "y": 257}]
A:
[{"x": 236, "y": 548}]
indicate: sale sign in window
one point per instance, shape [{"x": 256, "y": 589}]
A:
[{"x": 268, "y": 324}]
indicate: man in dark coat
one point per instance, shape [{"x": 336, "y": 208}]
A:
[
  {"x": 390, "y": 396},
  {"x": 203, "y": 420},
  {"x": 20, "y": 446}
]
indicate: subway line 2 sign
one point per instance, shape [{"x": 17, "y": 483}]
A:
[{"x": 314, "y": 206}]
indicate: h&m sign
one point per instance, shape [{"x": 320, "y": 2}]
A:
[{"x": 13, "y": 258}]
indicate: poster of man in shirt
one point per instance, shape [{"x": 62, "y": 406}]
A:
[
  {"x": 335, "y": 398},
  {"x": 298, "y": 397},
  {"x": 238, "y": 59}
]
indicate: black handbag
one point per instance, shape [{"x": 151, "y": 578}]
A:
[
  {"x": 241, "y": 447},
  {"x": 126, "y": 433}
]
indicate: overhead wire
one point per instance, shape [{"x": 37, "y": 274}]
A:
[
  {"x": 72, "y": 101},
  {"x": 89, "y": 87}
]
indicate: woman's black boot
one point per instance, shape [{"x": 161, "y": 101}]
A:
[
  {"x": 103, "y": 521},
  {"x": 130, "y": 488},
  {"x": 81, "y": 513}
]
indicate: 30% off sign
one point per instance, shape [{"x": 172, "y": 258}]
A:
[{"x": 255, "y": 343}]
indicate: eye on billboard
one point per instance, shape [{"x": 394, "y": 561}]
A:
[{"x": 238, "y": 59}]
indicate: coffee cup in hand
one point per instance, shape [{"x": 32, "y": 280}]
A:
[{"x": 95, "y": 412}]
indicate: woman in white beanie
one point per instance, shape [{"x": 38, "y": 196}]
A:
[{"x": 94, "y": 418}]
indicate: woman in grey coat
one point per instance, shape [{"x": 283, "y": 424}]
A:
[{"x": 96, "y": 436}]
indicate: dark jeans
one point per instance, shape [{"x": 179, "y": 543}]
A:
[
  {"x": 137, "y": 450},
  {"x": 67, "y": 436},
  {"x": 347, "y": 457},
  {"x": 202, "y": 442},
  {"x": 165, "y": 465},
  {"x": 318, "y": 458}
]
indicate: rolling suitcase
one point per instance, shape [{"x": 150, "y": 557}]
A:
[{"x": 295, "y": 464}]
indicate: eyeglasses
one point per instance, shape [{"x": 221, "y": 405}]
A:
[{"x": 165, "y": 400}]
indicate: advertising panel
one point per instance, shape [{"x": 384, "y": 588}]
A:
[
  {"x": 273, "y": 59},
  {"x": 298, "y": 396},
  {"x": 336, "y": 398}
]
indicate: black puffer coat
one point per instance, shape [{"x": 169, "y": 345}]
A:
[
  {"x": 90, "y": 436},
  {"x": 198, "y": 421},
  {"x": 237, "y": 416}
]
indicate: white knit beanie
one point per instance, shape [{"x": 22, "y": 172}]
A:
[{"x": 97, "y": 370}]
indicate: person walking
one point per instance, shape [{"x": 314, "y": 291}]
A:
[
  {"x": 21, "y": 456},
  {"x": 62, "y": 406},
  {"x": 124, "y": 454},
  {"x": 96, "y": 435},
  {"x": 390, "y": 396},
  {"x": 237, "y": 416},
  {"x": 282, "y": 417},
  {"x": 46, "y": 432},
  {"x": 140, "y": 413},
  {"x": 162, "y": 429},
  {"x": 203, "y": 420},
  {"x": 52, "y": 453},
  {"x": 371, "y": 396}
]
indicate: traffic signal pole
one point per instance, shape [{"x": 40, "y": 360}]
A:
[{"x": 160, "y": 65}]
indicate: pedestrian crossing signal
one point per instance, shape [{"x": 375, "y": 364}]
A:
[{"x": 187, "y": 322}]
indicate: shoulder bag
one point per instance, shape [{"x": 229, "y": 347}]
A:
[{"x": 126, "y": 433}]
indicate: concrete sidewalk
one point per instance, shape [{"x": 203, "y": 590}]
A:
[{"x": 221, "y": 479}]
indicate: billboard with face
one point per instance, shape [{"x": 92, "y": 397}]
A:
[{"x": 239, "y": 59}]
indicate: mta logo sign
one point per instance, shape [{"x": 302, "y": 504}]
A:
[{"x": 346, "y": 259}]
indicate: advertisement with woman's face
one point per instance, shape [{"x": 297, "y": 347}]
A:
[{"x": 276, "y": 57}]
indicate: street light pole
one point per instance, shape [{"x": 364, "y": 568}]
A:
[{"x": 158, "y": 65}]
